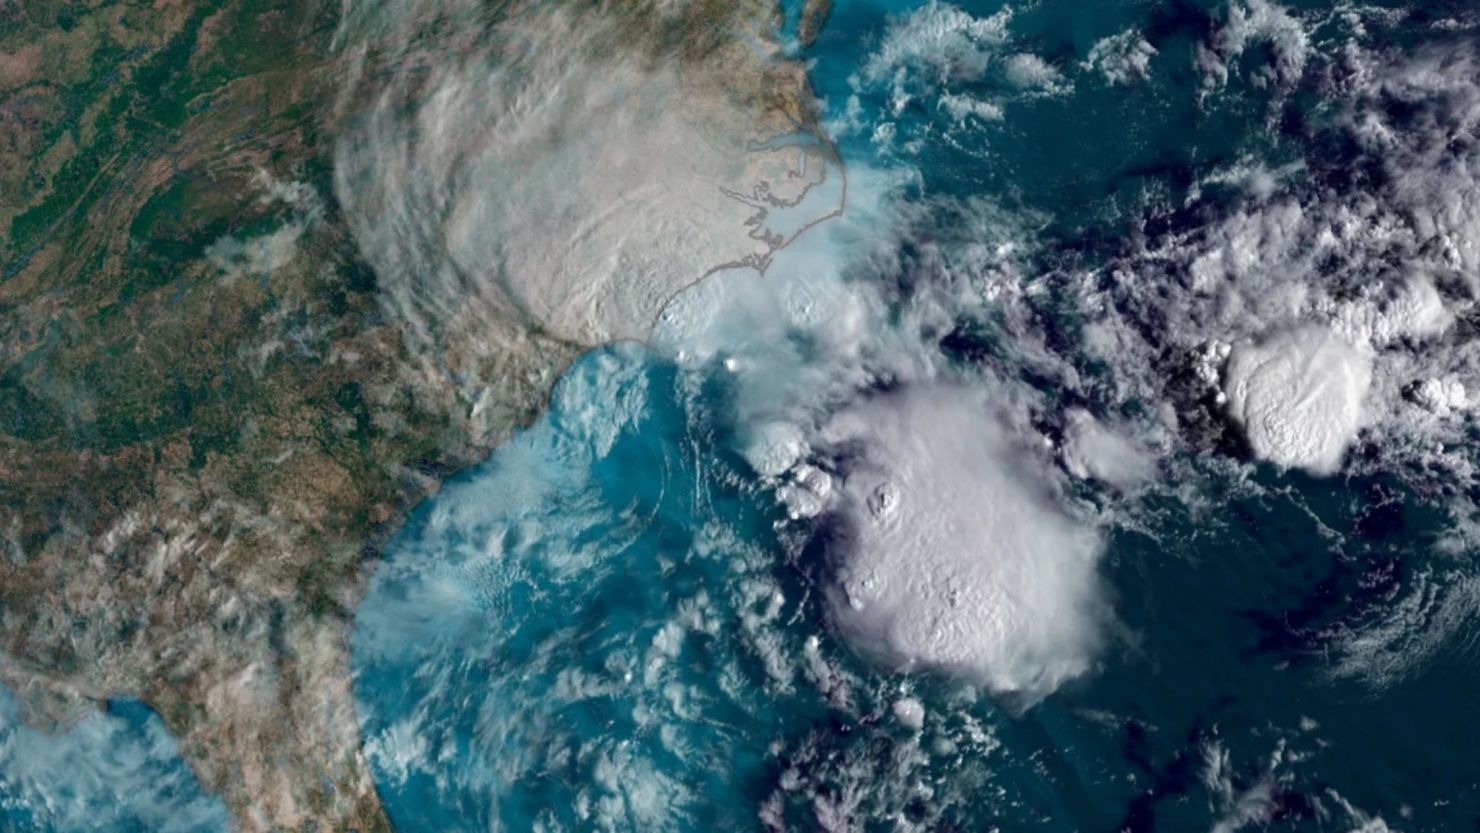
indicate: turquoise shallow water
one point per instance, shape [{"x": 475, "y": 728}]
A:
[
  {"x": 612, "y": 624},
  {"x": 600, "y": 628},
  {"x": 118, "y": 770}
]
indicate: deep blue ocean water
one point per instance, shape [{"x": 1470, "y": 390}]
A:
[
  {"x": 612, "y": 624},
  {"x": 598, "y": 628}
]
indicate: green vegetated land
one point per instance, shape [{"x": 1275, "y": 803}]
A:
[{"x": 194, "y": 383}]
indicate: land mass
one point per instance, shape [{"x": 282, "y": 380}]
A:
[{"x": 273, "y": 269}]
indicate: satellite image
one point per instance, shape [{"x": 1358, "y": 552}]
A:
[{"x": 712, "y": 416}]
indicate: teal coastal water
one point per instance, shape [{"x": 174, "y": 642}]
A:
[
  {"x": 118, "y": 771},
  {"x": 601, "y": 628}
]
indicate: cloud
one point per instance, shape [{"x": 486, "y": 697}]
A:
[
  {"x": 943, "y": 59},
  {"x": 1027, "y": 71},
  {"x": 1122, "y": 59},
  {"x": 1298, "y": 395},
  {"x": 1384, "y": 262},
  {"x": 518, "y": 206},
  {"x": 1094, "y": 450},
  {"x": 956, "y": 556},
  {"x": 115, "y": 770},
  {"x": 1251, "y": 22},
  {"x": 262, "y": 255},
  {"x": 937, "y": 44},
  {"x": 509, "y": 183}
]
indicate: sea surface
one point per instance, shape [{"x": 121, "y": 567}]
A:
[
  {"x": 643, "y": 613},
  {"x": 116, "y": 769}
]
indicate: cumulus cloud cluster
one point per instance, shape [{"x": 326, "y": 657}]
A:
[
  {"x": 1249, "y": 23},
  {"x": 265, "y": 254},
  {"x": 937, "y": 44},
  {"x": 1122, "y": 59},
  {"x": 1093, "y": 450},
  {"x": 1323, "y": 307},
  {"x": 956, "y": 550},
  {"x": 943, "y": 58},
  {"x": 1326, "y": 304},
  {"x": 519, "y": 205},
  {"x": 1298, "y": 395},
  {"x": 959, "y": 556}
]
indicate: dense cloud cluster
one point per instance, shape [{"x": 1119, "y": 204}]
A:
[
  {"x": 1358, "y": 274},
  {"x": 960, "y": 559},
  {"x": 518, "y": 206},
  {"x": 1294, "y": 311}
]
